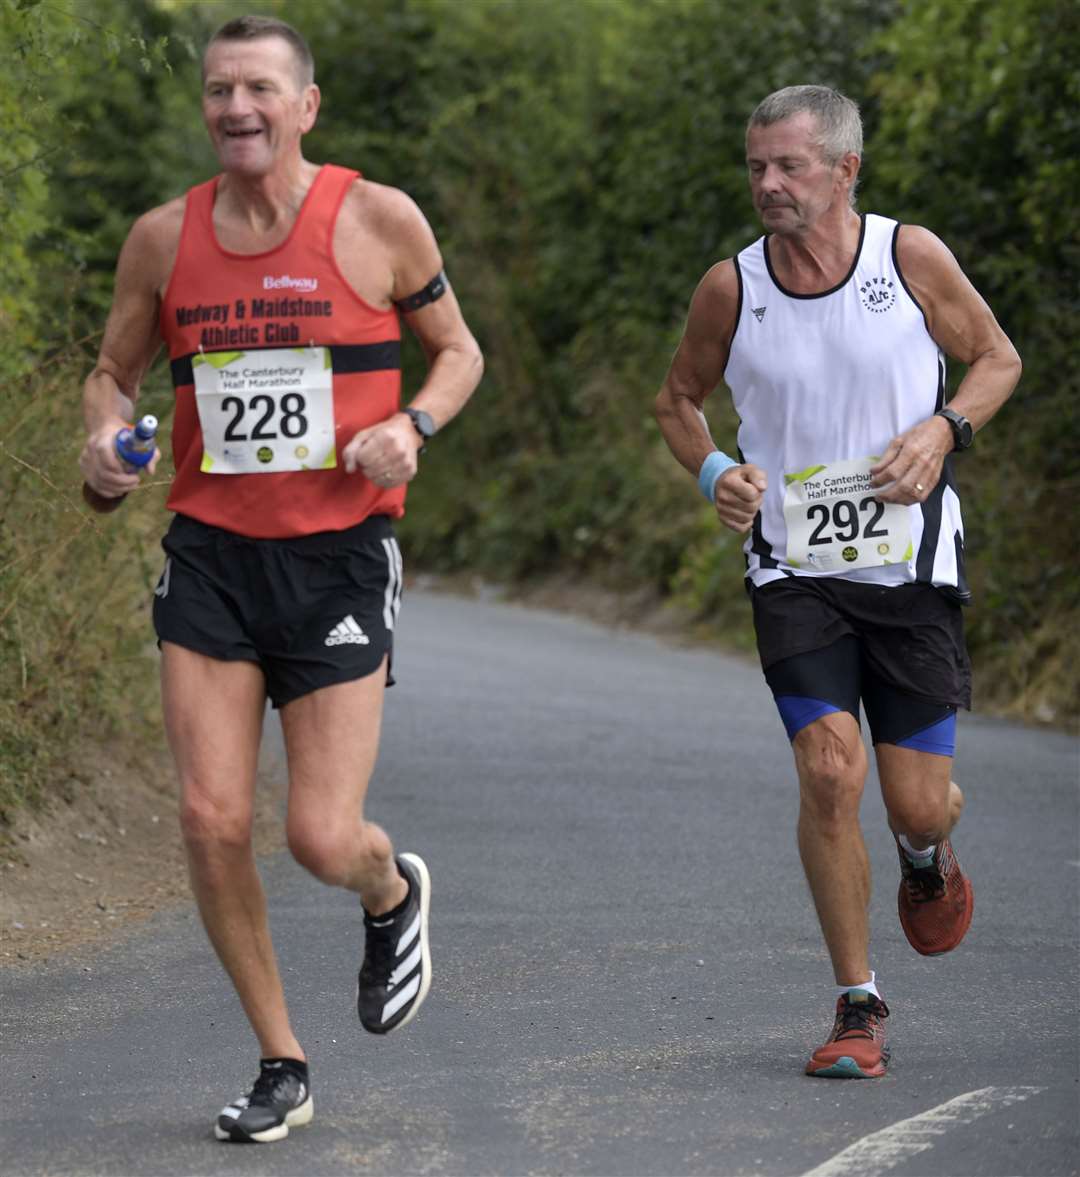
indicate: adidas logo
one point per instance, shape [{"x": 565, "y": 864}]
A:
[
  {"x": 759, "y": 312},
  {"x": 347, "y": 633}
]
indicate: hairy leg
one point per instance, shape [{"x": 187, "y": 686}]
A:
[
  {"x": 922, "y": 800},
  {"x": 213, "y": 718},
  {"x": 831, "y": 763},
  {"x": 332, "y": 739}
]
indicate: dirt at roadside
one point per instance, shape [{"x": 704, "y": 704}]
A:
[{"x": 103, "y": 859}]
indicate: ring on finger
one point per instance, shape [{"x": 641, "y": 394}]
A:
[{"x": 919, "y": 487}]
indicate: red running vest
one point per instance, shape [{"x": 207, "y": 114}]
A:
[{"x": 290, "y": 297}]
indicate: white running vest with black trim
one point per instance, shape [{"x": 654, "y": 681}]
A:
[{"x": 833, "y": 377}]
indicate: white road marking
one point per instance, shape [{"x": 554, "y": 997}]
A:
[{"x": 884, "y": 1150}]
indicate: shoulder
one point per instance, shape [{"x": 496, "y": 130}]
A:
[
  {"x": 154, "y": 239},
  {"x": 389, "y": 212},
  {"x": 718, "y": 290},
  {"x": 921, "y": 253}
]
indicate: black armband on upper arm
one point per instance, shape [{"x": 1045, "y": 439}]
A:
[{"x": 432, "y": 292}]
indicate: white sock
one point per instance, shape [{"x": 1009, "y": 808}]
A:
[
  {"x": 912, "y": 853},
  {"x": 868, "y": 986}
]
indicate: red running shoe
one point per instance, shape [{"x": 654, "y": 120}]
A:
[
  {"x": 935, "y": 901},
  {"x": 856, "y": 1048}
]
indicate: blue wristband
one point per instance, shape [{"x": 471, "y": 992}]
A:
[{"x": 711, "y": 469}]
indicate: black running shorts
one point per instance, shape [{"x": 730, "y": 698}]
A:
[
  {"x": 899, "y": 650},
  {"x": 311, "y": 611}
]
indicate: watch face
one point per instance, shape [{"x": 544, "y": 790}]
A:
[
  {"x": 963, "y": 433},
  {"x": 423, "y": 422}
]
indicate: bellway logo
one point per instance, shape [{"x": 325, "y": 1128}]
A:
[
  {"x": 347, "y": 633},
  {"x": 286, "y": 282}
]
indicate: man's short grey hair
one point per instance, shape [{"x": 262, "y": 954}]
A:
[
  {"x": 254, "y": 28},
  {"x": 838, "y": 119}
]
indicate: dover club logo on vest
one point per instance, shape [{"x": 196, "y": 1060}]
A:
[{"x": 877, "y": 294}]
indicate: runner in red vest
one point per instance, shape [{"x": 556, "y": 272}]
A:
[{"x": 276, "y": 288}]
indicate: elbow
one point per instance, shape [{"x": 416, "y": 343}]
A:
[
  {"x": 662, "y": 406},
  {"x": 1012, "y": 368},
  {"x": 470, "y": 358}
]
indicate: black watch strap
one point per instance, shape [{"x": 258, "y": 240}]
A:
[{"x": 963, "y": 433}]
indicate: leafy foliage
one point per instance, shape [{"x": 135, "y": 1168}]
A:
[{"x": 581, "y": 164}]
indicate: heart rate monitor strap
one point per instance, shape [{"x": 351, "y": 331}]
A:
[{"x": 432, "y": 292}]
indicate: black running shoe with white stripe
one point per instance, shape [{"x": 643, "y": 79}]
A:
[
  {"x": 396, "y": 974},
  {"x": 279, "y": 1100}
]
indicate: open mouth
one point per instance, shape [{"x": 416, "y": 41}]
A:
[{"x": 243, "y": 133}]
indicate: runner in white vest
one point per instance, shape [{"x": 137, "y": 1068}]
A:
[{"x": 831, "y": 332}]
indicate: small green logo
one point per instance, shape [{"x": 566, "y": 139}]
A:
[
  {"x": 265, "y": 454},
  {"x": 850, "y": 554}
]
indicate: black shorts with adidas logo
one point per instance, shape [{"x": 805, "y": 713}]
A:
[{"x": 311, "y": 612}]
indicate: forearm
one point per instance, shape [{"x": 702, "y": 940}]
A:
[
  {"x": 987, "y": 385},
  {"x": 451, "y": 380},
  {"x": 684, "y": 428},
  {"x": 103, "y": 402}
]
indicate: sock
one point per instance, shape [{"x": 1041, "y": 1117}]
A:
[
  {"x": 388, "y": 917},
  {"x": 865, "y": 986},
  {"x": 292, "y": 1064},
  {"x": 913, "y": 854}
]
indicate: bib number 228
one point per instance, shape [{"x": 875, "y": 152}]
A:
[
  {"x": 266, "y": 411},
  {"x": 274, "y": 419}
]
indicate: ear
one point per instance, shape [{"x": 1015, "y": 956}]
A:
[
  {"x": 310, "y": 110},
  {"x": 849, "y": 170}
]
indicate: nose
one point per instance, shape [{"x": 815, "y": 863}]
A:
[
  {"x": 769, "y": 181},
  {"x": 239, "y": 103}
]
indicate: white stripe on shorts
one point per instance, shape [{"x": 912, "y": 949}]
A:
[{"x": 392, "y": 595}]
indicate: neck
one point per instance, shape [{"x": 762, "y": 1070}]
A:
[
  {"x": 267, "y": 201},
  {"x": 819, "y": 256}
]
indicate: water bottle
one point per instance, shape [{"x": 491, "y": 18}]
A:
[{"x": 135, "y": 447}]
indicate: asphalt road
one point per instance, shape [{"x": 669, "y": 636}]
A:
[{"x": 628, "y": 974}]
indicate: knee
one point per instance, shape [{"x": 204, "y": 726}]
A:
[
  {"x": 326, "y": 849},
  {"x": 337, "y": 852},
  {"x": 831, "y": 776},
  {"x": 210, "y": 827},
  {"x": 926, "y": 814}
]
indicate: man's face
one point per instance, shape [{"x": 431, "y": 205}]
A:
[
  {"x": 254, "y": 105},
  {"x": 791, "y": 185}
]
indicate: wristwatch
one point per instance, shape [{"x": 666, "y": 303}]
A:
[
  {"x": 423, "y": 425},
  {"x": 963, "y": 434}
]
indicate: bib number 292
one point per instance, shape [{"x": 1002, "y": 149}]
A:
[
  {"x": 842, "y": 523},
  {"x": 273, "y": 419},
  {"x": 835, "y": 521}
]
